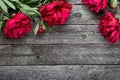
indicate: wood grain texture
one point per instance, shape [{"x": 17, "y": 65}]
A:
[
  {"x": 82, "y": 27},
  {"x": 60, "y": 54},
  {"x": 66, "y": 44},
  {"x": 67, "y": 34},
  {"x": 75, "y": 1},
  {"x": 74, "y": 51},
  {"x": 76, "y": 72}
]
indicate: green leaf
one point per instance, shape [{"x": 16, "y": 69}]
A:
[
  {"x": 32, "y": 1},
  {"x": 46, "y": 26},
  {"x": 45, "y": 1},
  {"x": 10, "y": 4},
  {"x": 1, "y": 24},
  {"x": 113, "y": 3},
  {"x": 29, "y": 11},
  {"x": 4, "y": 18},
  {"x": 35, "y": 30},
  {"x": 43, "y": 25},
  {"x": 3, "y": 6},
  {"x": 14, "y": 0}
]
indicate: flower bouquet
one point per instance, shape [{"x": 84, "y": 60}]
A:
[
  {"x": 109, "y": 25},
  {"x": 16, "y": 16}
]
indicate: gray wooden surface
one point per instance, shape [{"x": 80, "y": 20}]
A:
[
  {"x": 74, "y": 51},
  {"x": 65, "y": 72}
]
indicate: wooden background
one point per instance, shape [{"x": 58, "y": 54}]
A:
[{"x": 74, "y": 51}]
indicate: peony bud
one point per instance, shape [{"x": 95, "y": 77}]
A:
[
  {"x": 113, "y": 3},
  {"x": 41, "y": 30}
]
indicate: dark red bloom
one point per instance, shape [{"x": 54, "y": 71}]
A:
[
  {"x": 55, "y": 13},
  {"x": 17, "y": 26},
  {"x": 41, "y": 30},
  {"x": 109, "y": 26},
  {"x": 96, "y": 5}
]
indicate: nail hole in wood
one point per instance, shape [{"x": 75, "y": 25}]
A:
[{"x": 77, "y": 15}]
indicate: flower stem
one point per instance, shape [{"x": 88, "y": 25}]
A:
[
  {"x": 37, "y": 13},
  {"x": 4, "y": 13}
]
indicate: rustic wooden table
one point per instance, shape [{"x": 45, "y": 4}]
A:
[{"x": 75, "y": 51}]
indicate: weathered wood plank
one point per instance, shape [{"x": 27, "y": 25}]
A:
[
  {"x": 3, "y": 60},
  {"x": 75, "y": 1},
  {"x": 61, "y": 54},
  {"x": 77, "y": 31},
  {"x": 60, "y": 72},
  {"x": 80, "y": 14},
  {"x": 67, "y": 34},
  {"x": 4, "y": 49}
]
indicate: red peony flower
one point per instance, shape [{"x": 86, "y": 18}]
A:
[
  {"x": 17, "y": 26},
  {"x": 56, "y": 12},
  {"x": 96, "y": 5},
  {"x": 41, "y": 30},
  {"x": 109, "y": 26}
]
